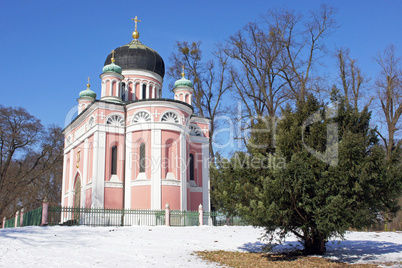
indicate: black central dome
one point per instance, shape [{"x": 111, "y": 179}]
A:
[{"x": 137, "y": 56}]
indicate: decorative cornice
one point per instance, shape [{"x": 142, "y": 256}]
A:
[
  {"x": 142, "y": 73},
  {"x": 171, "y": 182},
  {"x": 111, "y": 184}
]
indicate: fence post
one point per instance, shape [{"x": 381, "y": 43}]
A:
[
  {"x": 16, "y": 219},
  {"x": 22, "y": 217},
  {"x": 45, "y": 207},
  {"x": 201, "y": 215},
  {"x": 167, "y": 214},
  {"x": 4, "y": 222}
]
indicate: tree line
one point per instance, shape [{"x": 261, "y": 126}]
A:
[
  {"x": 337, "y": 171},
  {"x": 31, "y": 161}
]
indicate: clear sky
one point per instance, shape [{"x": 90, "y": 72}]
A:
[{"x": 49, "y": 48}]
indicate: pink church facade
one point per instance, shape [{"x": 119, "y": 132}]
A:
[{"x": 133, "y": 149}]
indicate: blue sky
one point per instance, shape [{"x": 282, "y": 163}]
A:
[{"x": 49, "y": 48}]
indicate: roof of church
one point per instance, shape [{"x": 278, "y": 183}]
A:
[{"x": 137, "y": 56}]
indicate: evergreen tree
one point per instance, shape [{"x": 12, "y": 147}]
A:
[{"x": 292, "y": 190}]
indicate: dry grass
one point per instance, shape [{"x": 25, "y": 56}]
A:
[{"x": 291, "y": 259}]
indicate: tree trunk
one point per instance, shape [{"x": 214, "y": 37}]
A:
[{"x": 314, "y": 245}]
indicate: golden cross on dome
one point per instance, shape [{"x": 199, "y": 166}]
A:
[
  {"x": 136, "y": 35},
  {"x": 136, "y": 20},
  {"x": 182, "y": 71},
  {"x": 112, "y": 56},
  {"x": 88, "y": 85}
]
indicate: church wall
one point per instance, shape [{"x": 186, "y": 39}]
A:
[
  {"x": 171, "y": 195},
  {"x": 88, "y": 198},
  {"x": 141, "y": 197},
  {"x": 113, "y": 198},
  {"x": 195, "y": 200}
]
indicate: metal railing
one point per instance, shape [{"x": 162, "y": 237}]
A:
[
  {"x": 56, "y": 215},
  {"x": 104, "y": 217},
  {"x": 33, "y": 217},
  {"x": 220, "y": 219},
  {"x": 184, "y": 218},
  {"x": 10, "y": 223}
]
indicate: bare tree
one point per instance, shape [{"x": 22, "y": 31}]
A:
[
  {"x": 209, "y": 79},
  {"x": 29, "y": 157},
  {"x": 255, "y": 57},
  {"x": 389, "y": 90},
  {"x": 351, "y": 77},
  {"x": 303, "y": 44}
]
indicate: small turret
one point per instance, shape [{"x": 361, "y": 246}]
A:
[
  {"x": 87, "y": 96},
  {"x": 111, "y": 82},
  {"x": 183, "y": 89}
]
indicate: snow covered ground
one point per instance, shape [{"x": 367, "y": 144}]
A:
[{"x": 141, "y": 246}]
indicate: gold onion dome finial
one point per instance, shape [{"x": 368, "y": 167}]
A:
[
  {"x": 182, "y": 71},
  {"x": 136, "y": 34},
  {"x": 113, "y": 56},
  {"x": 88, "y": 85}
]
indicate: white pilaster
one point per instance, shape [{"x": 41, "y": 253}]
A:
[
  {"x": 85, "y": 171},
  {"x": 84, "y": 178},
  {"x": 183, "y": 170},
  {"x": 63, "y": 186},
  {"x": 206, "y": 202},
  {"x": 147, "y": 92},
  {"x": 129, "y": 161},
  {"x": 70, "y": 179},
  {"x": 156, "y": 166},
  {"x": 98, "y": 190},
  {"x": 141, "y": 97}
]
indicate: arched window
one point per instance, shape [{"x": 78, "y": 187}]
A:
[
  {"x": 114, "y": 160},
  {"x": 144, "y": 91},
  {"x": 142, "y": 157},
  {"x": 191, "y": 167},
  {"x": 123, "y": 91}
]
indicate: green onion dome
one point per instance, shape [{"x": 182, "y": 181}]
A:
[
  {"x": 112, "y": 68},
  {"x": 183, "y": 82},
  {"x": 88, "y": 93}
]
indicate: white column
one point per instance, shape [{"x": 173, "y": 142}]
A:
[
  {"x": 183, "y": 170},
  {"x": 154, "y": 91},
  {"x": 191, "y": 99},
  {"x": 156, "y": 166},
  {"x": 127, "y": 190},
  {"x": 134, "y": 91},
  {"x": 63, "y": 186},
  {"x": 85, "y": 174},
  {"x": 98, "y": 189},
  {"x": 70, "y": 179},
  {"x": 141, "y": 85},
  {"x": 147, "y": 92},
  {"x": 206, "y": 202}
]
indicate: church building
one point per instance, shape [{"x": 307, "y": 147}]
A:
[{"x": 131, "y": 148}]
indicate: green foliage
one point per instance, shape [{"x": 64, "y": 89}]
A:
[{"x": 313, "y": 199}]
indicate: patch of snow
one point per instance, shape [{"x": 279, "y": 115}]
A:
[{"x": 161, "y": 246}]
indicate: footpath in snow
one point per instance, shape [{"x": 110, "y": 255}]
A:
[{"x": 161, "y": 246}]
